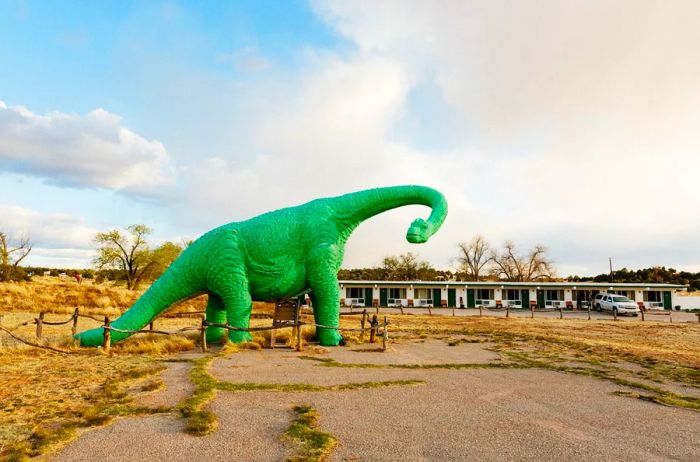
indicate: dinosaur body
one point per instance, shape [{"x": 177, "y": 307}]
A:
[{"x": 277, "y": 254}]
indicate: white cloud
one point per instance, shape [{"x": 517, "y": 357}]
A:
[
  {"x": 329, "y": 138},
  {"x": 585, "y": 113},
  {"x": 53, "y": 230},
  {"x": 58, "y": 240},
  {"x": 247, "y": 59},
  {"x": 94, "y": 150}
]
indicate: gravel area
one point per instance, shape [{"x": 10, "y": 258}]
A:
[
  {"x": 468, "y": 414},
  {"x": 271, "y": 366},
  {"x": 246, "y": 433},
  {"x": 177, "y": 387}
]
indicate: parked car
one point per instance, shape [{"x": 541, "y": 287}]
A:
[{"x": 618, "y": 304}]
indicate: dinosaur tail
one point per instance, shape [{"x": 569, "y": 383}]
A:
[
  {"x": 356, "y": 207},
  {"x": 174, "y": 285}
]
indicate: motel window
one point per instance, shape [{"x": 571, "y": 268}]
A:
[
  {"x": 554, "y": 295},
  {"x": 354, "y": 292},
  {"x": 397, "y": 293},
  {"x": 484, "y": 294},
  {"x": 511, "y": 294},
  {"x": 652, "y": 296},
  {"x": 423, "y": 294}
]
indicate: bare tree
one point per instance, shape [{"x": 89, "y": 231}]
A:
[
  {"x": 509, "y": 265},
  {"x": 11, "y": 256},
  {"x": 473, "y": 257},
  {"x": 406, "y": 267},
  {"x": 128, "y": 253}
]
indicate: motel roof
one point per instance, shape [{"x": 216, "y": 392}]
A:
[{"x": 531, "y": 284}]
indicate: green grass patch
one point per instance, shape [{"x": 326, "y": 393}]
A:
[
  {"x": 200, "y": 423},
  {"x": 205, "y": 389},
  {"x": 153, "y": 385},
  {"x": 313, "y": 445},
  {"x": 326, "y": 362}
]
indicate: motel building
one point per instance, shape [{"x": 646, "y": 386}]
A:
[{"x": 495, "y": 294}]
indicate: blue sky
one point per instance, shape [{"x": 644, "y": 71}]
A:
[{"x": 534, "y": 119}]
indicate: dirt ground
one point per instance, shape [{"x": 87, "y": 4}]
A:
[{"x": 468, "y": 401}]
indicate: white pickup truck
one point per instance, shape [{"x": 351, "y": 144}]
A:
[{"x": 617, "y": 304}]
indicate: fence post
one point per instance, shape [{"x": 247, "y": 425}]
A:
[
  {"x": 300, "y": 347},
  {"x": 150, "y": 325},
  {"x": 39, "y": 325},
  {"x": 453, "y": 311},
  {"x": 373, "y": 329},
  {"x": 74, "y": 327},
  {"x": 698, "y": 315},
  {"x": 377, "y": 309},
  {"x": 670, "y": 317},
  {"x": 614, "y": 315},
  {"x": 642, "y": 311},
  {"x": 401, "y": 308},
  {"x": 362, "y": 325},
  {"x": 589, "y": 312},
  {"x": 385, "y": 338},
  {"x": 203, "y": 334},
  {"x": 561, "y": 313},
  {"x": 507, "y": 311},
  {"x": 480, "y": 310},
  {"x": 532, "y": 311},
  {"x": 430, "y": 311},
  {"x": 107, "y": 334}
]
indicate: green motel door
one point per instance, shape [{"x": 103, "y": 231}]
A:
[
  {"x": 383, "y": 297},
  {"x": 368, "y": 296},
  {"x": 525, "y": 298},
  {"x": 667, "y": 300},
  {"x": 471, "y": 299},
  {"x": 452, "y": 298},
  {"x": 437, "y": 298},
  {"x": 540, "y": 298}
]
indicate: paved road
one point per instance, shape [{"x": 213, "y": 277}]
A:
[{"x": 471, "y": 414}]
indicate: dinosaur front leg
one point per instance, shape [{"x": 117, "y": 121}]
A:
[
  {"x": 216, "y": 313},
  {"x": 238, "y": 304}
]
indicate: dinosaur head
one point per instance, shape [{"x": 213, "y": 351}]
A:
[{"x": 419, "y": 231}]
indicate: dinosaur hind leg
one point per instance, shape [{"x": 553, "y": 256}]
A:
[{"x": 216, "y": 313}]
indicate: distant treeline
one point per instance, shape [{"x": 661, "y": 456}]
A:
[
  {"x": 658, "y": 274},
  {"x": 28, "y": 271},
  {"x": 385, "y": 274}
]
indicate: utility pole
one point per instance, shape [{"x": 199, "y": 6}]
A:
[{"x": 612, "y": 278}]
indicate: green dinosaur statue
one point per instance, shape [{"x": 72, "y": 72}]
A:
[{"x": 278, "y": 254}]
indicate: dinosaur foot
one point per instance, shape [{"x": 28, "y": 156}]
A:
[
  {"x": 329, "y": 337},
  {"x": 239, "y": 337}
]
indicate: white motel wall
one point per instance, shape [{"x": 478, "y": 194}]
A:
[
  {"x": 687, "y": 302},
  {"x": 513, "y": 294}
]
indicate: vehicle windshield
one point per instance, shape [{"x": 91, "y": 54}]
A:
[{"x": 621, "y": 299}]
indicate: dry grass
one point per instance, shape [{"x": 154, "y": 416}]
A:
[
  {"x": 657, "y": 341},
  {"x": 46, "y": 397},
  {"x": 54, "y": 295}
]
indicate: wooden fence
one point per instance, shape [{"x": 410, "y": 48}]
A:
[{"x": 40, "y": 321}]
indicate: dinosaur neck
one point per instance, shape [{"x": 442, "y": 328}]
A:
[{"x": 352, "y": 209}]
